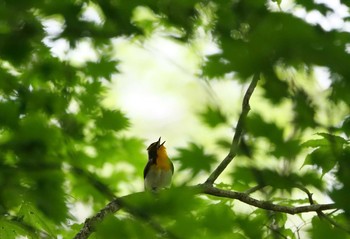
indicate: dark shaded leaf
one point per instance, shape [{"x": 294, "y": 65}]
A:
[
  {"x": 304, "y": 110},
  {"x": 258, "y": 127},
  {"x": 274, "y": 89},
  {"x": 323, "y": 229},
  {"x": 112, "y": 120},
  {"x": 195, "y": 159},
  {"x": 323, "y": 158},
  {"x": 340, "y": 192},
  {"x": 103, "y": 68},
  {"x": 346, "y": 126},
  {"x": 312, "y": 6},
  {"x": 327, "y": 151},
  {"x": 9, "y": 114},
  {"x": 213, "y": 117}
]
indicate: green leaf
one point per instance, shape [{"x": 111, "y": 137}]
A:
[
  {"x": 340, "y": 192},
  {"x": 195, "y": 159},
  {"x": 12, "y": 229},
  {"x": 287, "y": 150},
  {"x": 127, "y": 227},
  {"x": 327, "y": 151},
  {"x": 251, "y": 225},
  {"x": 73, "y": 125},
  {"x": 216, "y": 67},
  {"x": 103, "y": 68},
  {"x": 33, "y": 217},
  {"x": 258, "y": 127},
  {"x": 211, "y": 219},
  {"x": 323, "y": 158},
  {"x": 9, "y": 114},
  {"x": 328, "y": 140},
  {"x": 53, "y": 204},
  {"x": 304, "y": 110},
  {"x": 213, "y": 117},
  {"x": 346, "y": 126},
  {"x": 246, "y": 177},
  {"x": 275, "y": 89},
  {"x": 323, "y": 229},
  {"x": 174, "y": 201},
  {"x": 243, "y": 178},
  {"x": 314, "y": 6},
  {"x": 112, "y": 120},
  {"x": 334, "y": 139}
]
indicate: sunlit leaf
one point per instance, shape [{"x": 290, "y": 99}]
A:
[{"x": 13, "y": 229}]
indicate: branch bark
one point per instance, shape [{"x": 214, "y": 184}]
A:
[{"x": 238, "y": 133}]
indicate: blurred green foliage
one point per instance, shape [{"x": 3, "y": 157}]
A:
[{"x": 61, "y": 146}]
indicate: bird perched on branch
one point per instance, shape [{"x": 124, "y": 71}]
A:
[{"x": 159, "y": 169}]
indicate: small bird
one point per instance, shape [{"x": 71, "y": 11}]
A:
[{"x": 159, "y": 169}]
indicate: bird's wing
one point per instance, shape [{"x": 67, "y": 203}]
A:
[
  {"x": 172, "y": 167},
  {"x": 145, "y": 171}
]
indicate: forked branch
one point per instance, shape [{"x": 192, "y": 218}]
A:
[{"x": 238, "y": 133}]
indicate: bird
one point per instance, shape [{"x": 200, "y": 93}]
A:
[{"x": 159, "y": 169}]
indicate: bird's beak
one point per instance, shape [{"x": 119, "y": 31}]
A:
[{"x": 158, "y": 142}]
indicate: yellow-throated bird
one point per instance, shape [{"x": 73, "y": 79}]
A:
[{"x": 159, "y": 169}]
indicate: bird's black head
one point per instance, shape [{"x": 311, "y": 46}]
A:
[{"x": 152, "y": 150}]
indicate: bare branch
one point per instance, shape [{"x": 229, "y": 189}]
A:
[{"x": 238, "y": 133}]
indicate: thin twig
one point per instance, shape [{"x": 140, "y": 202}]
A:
[
  {"x": 254, "y": 189},
  {"x": 321, "y": 214},
  {"x": 238, "y": 133}
]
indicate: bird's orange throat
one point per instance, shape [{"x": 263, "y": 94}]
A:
[{"x": 163, "y": 161}]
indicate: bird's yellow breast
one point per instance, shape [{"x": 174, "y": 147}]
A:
[{"x": 163, "y": 161}]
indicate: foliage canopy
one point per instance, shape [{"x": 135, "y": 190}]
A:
[{"x": 57, "y": 137}]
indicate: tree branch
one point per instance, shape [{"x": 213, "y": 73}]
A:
[
  {"x": 115, "y": 205},
  {"x": 321, "y": 214},
  {"x": 118, "y": 203},
  {"x": 90, "y": 223},
  {"x": 238, "y": 133},
  {"x": 243, "y": 197}
]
